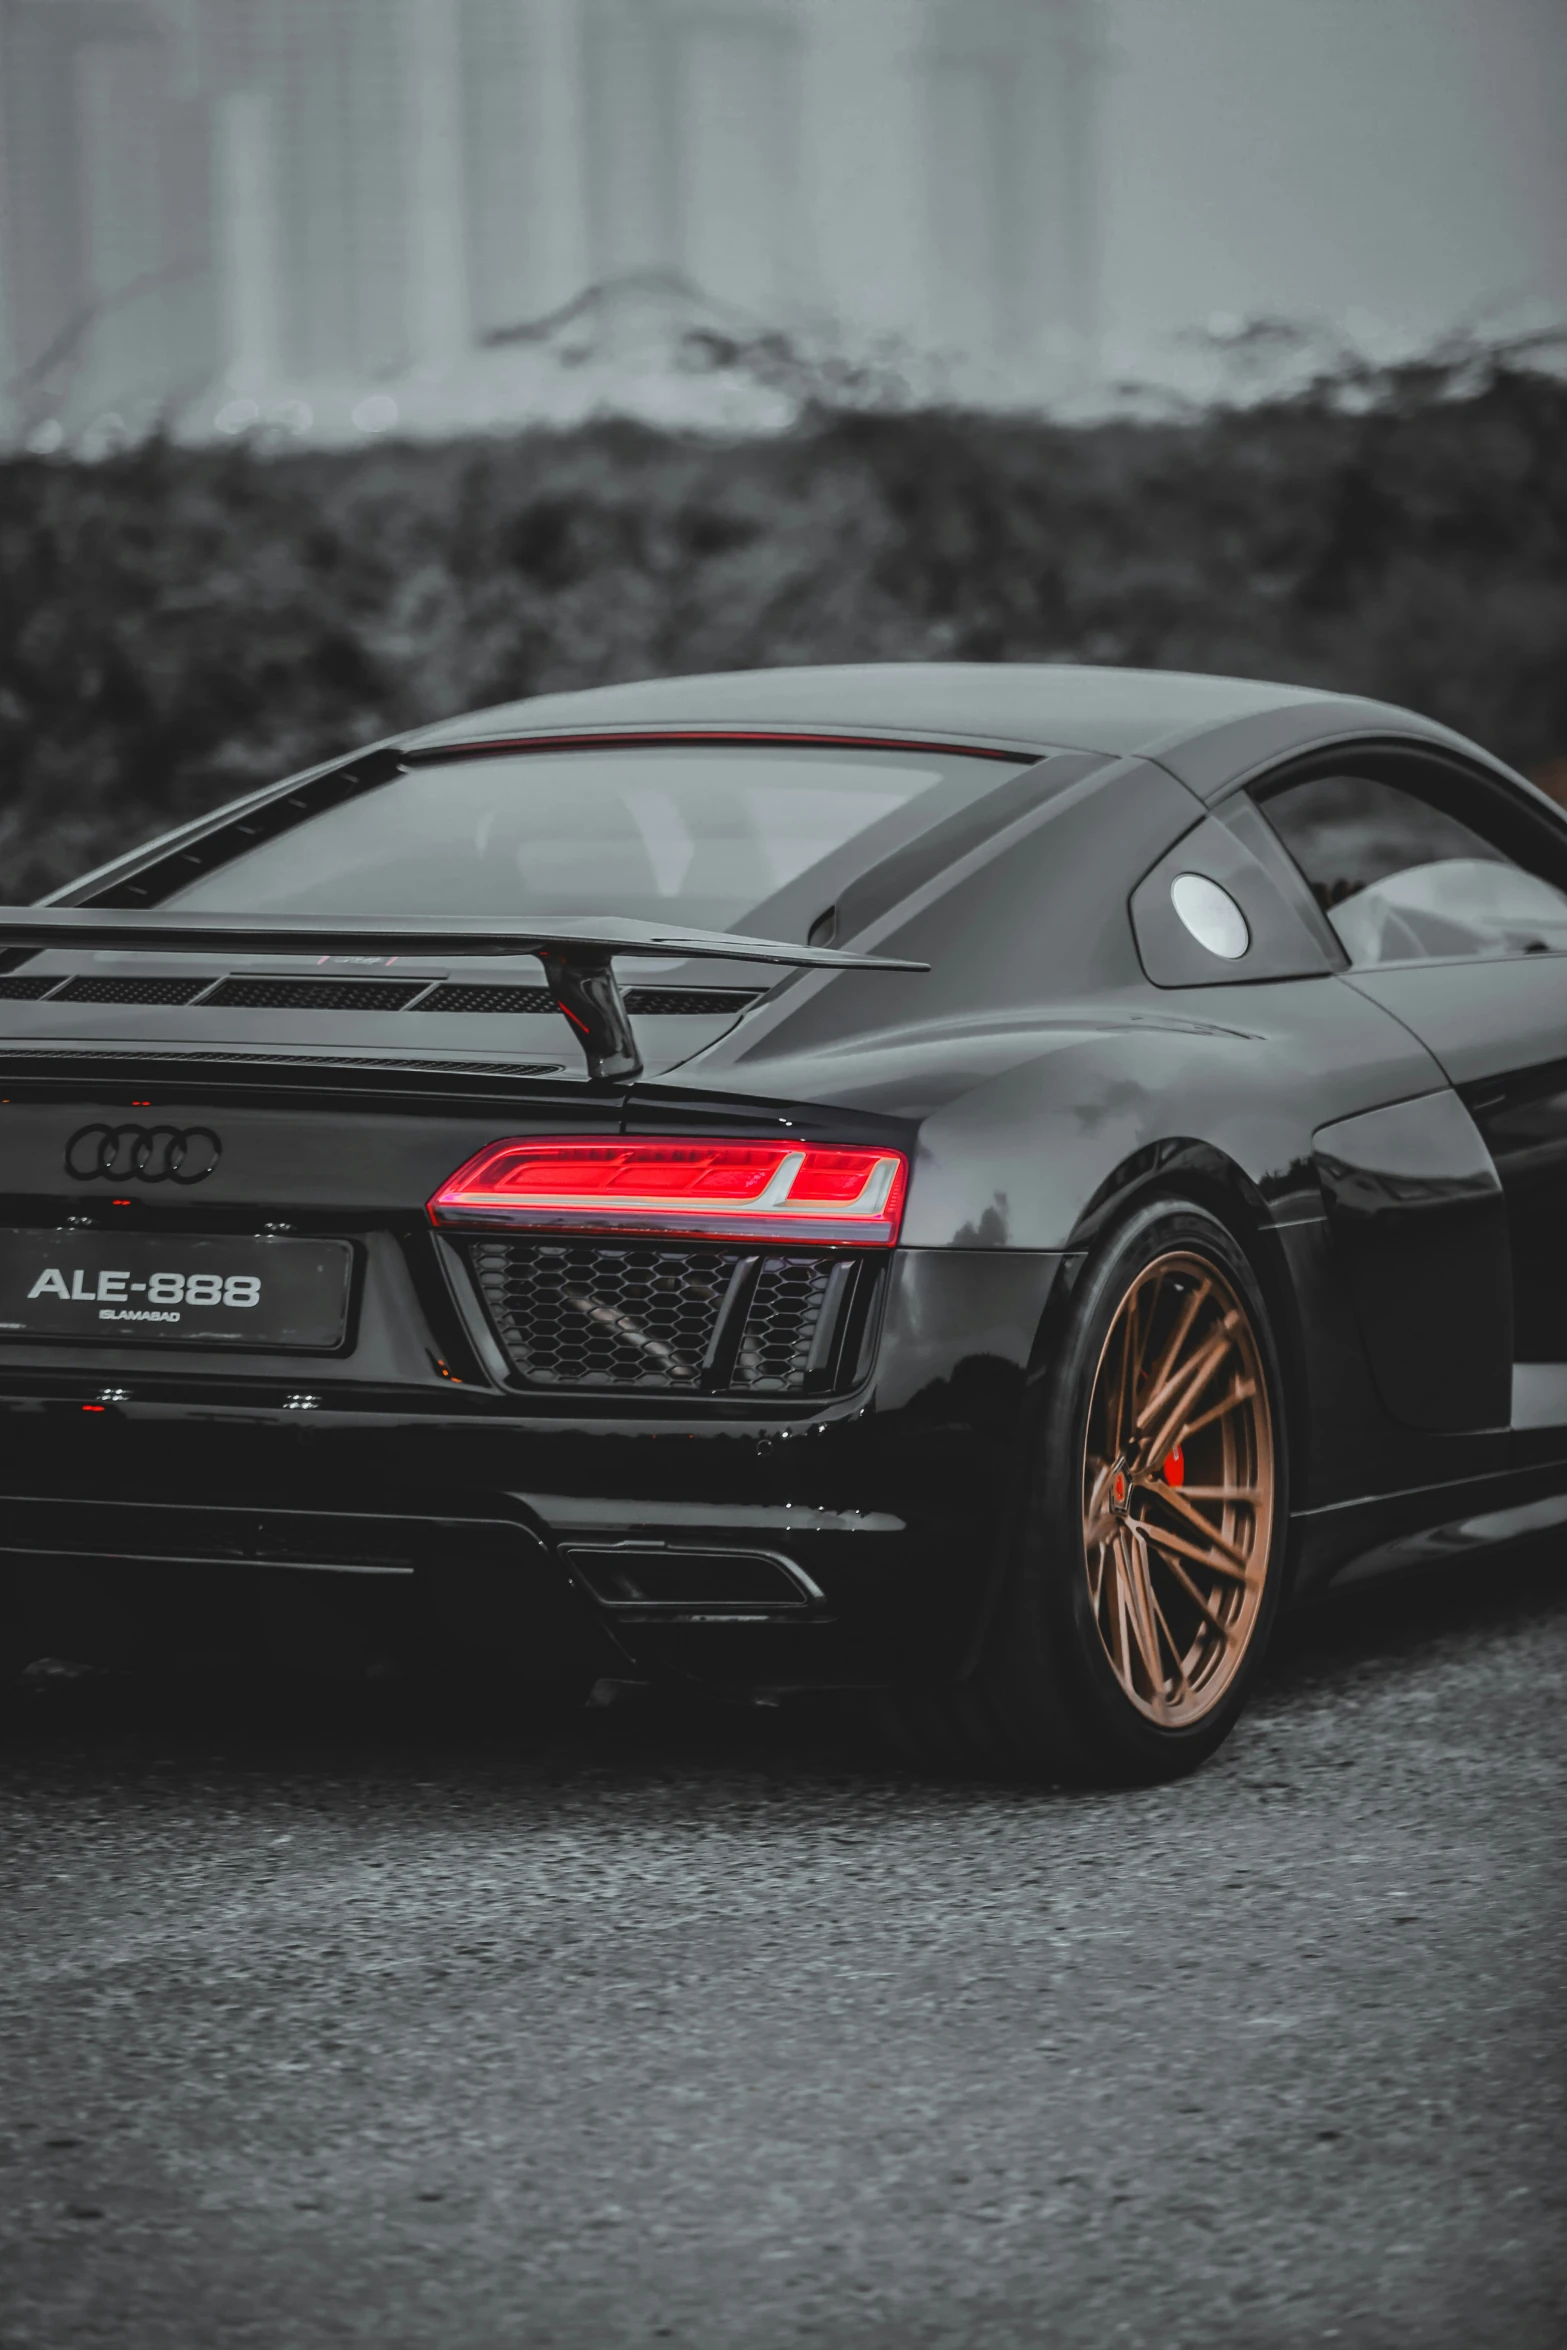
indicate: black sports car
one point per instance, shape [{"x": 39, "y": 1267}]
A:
[{"x": 970, "y": 1183}]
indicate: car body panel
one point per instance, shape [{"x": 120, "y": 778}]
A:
[
  {"x": 893, "y": 1501},
  {"x": 1416, "y": 1205},
  {"x": 1499, "y": 1031}
]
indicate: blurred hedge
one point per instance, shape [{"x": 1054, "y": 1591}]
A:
[{"x": 178, "y": 625}]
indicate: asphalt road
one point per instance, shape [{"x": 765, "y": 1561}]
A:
[{"x": 323, "y": 2023}]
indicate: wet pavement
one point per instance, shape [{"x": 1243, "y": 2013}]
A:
[{"x": 324, "y": 2019}]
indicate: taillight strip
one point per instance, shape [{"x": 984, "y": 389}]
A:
[{"x": 720, "y": 1190}]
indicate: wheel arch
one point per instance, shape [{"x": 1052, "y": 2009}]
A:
[{"x": 1186, "y": 1168}]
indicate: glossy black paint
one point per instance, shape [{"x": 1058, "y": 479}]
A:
[
  {"x": 1390, "y": 1147},
  {"x": 1416, "y": 1206},
  {"x": 1522, "y": 1115},
  {"x": 890, "y": 1501}
]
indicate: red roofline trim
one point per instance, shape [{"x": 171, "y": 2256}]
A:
[{"x": 687, "y": 738}]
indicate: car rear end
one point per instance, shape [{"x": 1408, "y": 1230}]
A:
[{"x": 284, "y": 1368}]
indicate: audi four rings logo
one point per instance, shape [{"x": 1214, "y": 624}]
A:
[{"x": 142, "y": 1154}]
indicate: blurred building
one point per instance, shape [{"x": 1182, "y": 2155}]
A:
[
  {"x": 255, "y": 201},
  {"x": 105, "y": 279}
]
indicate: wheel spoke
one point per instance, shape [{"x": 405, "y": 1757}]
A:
[
  {"x": 1159, "y": 1380},
  {"x": 1185, "y": 1387},
  {"x": 1126, "y": 1379},
  {"x": 1148, "y": 1611},
  {"x": 1183, "y": 1508},
  {"x": 1098, "y": 1488},
  {"x": 1244, "y": 1391},
  {"x": 1140, "y": 1608},
  {"x": 1164, "y": 1540},
  {"x": 1119, "y": 1645},
  {"x": 1176, "y": 1657},
  {"x": 1226, "y": 1632}
]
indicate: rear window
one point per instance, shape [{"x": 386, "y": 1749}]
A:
[{"x": 706, "y": 839}]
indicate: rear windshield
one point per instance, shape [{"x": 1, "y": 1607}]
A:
[{"x": 701, "y": 838}]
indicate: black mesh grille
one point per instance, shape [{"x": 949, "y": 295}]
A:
[
  {"x": 318, "y": 995},
  {"x": 786, "y": 1308},
  {"x": 693, "y": 1002},
  {"x": 488, "y": 999},
  {"x": 393, "y": 1065},
  {"x": 580, "y": 1315},
  {"x": 368, "y": 995},
  {"x": 130, "y": 991},
  {"x": 664, "y": 1318},
  {"x": 696, "y": 1003}
]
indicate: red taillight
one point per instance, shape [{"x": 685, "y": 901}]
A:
[{"x": 722, "y": 1190}]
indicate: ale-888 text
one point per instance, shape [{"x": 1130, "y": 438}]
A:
[{"x": 159, "y": 1289}]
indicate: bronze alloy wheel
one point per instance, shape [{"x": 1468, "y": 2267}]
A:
[{"x": 1178, "y": 1494}]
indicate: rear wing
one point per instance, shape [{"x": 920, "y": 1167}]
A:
[{"x": 578, "y": 953}]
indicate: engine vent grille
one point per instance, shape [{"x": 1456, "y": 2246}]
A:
[
  {"x": 130, "y": 991},
  {"x": 656, "y": 1318},
  {"x": 390, "y": 1065},
  {"x": 317, "y": 995},
  {"x": 478, "y": 998},
  {"x": 240, "y": 993},
  {"x": 694, "y": 1003}
]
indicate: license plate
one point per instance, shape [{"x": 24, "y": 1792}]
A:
[{"x": 100, "y": 1288}]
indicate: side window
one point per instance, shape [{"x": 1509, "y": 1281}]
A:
[{"x": 1405, "y": 879}]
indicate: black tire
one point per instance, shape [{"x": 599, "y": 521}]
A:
[{"x": 1046, "y": 1701}]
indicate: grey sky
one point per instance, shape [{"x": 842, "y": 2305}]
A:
[{"x": 1403, "y": 158}]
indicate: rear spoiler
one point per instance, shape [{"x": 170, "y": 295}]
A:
[{"x": 577, "y": 953}]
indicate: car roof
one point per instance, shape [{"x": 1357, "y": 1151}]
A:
[{"x": 1031, "y": 706}]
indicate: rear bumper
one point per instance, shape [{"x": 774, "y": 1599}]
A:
[{"x": 159, "y": 1513}]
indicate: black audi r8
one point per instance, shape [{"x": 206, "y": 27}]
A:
[{"x": 969, "y": 1183}]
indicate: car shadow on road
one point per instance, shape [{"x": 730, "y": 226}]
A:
[
  {"x": 101, "y": 1724},
  {"x": 1394, "y": 1622}
]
